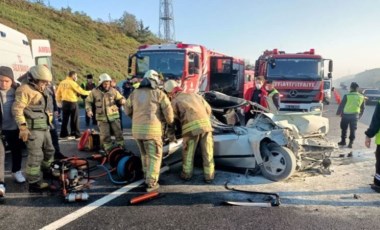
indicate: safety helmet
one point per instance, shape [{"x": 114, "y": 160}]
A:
[
  {"x": 41, "y": 72},
  {"x": 104, "y": 77},
  {"x": 153, "y": 77},
  {"x": 170, "y": 85}
]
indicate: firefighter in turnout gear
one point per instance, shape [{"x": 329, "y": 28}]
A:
[
  {"x": 106, "y": 100},
  {"x": 350, "y": 109},
  {"x": 374, "y": 131},
  {"x": 149, "y": 108},
  {"x": 193, "y": 112},
  {"x": 33, "y": 115}
]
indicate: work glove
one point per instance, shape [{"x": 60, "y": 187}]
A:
[
  {"x": 24, "y": 133},
  {"x": 59, "y": 104},
  {"x": 89, "y": 113}
]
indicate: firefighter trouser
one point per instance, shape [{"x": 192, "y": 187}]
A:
[
  {"x": 376, "y": 180},
  {"x": 349, "y": 120},
  {"x": 2, "y": 161},
  {"x": 207, "y": 148},
  {"x": 151, "y": 158},
  {"x": 106, "y": 130},
  {"x": 40, "y": 154}
]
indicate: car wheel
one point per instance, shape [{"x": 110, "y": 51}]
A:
[{"x": 279, "y": 162}]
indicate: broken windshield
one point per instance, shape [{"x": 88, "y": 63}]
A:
[
  {"x": 294, "y": 68},
  {"x": 168, "y": 63}
]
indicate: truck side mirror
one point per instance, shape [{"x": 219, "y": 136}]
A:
[{"x": 330, "y": 66}]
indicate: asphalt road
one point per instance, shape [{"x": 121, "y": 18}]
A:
[{"x": 184, "y": 205}]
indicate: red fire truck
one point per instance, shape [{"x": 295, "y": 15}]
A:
[
  {"x": 195, "y": 67},
  {"x": 297, "y": 76}
]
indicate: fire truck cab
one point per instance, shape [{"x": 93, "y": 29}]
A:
[
  {"x": 195, "y": 67},
  {"x": 297, "y": 76}
]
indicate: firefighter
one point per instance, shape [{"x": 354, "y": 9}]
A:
[
  {"x": 374, "y": 130},
  {"x": 193, "y": 112},
  {"x": 33, "y": 116},
  {"x": 350, "y": 109},
  {"x": 149, "y": 108},
  {"x": 273, "y": 94},
  {"x": 106, "y": 100}
]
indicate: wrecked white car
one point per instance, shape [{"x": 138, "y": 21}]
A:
[{"x": 278, "y": 144}]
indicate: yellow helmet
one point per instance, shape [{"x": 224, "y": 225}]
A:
[
  {"x": 170, "y": 85},
  {"x": 41, "y": 72}
]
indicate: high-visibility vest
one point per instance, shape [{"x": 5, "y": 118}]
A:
[
  {"x": 353, "y": 103},
  {"x": 274, "y": 91}
]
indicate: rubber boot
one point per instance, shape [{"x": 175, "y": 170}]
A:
[
  {"x": 152, "y": 188},
  {"x": 342, "y": 142}
]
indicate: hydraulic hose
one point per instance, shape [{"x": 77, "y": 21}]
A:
[{"x": 110, "y": 176}]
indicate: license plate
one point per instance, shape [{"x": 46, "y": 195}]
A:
[{"x": 292, "y": 106}]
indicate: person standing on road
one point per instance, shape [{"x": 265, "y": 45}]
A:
[
  {"x": 351, "y": 110},
  {"x": 194, "y": 113},
  {"x": 374, "y": 131},
  {"x": 33, "y": 116},
  {"x": 9, "y": 125},
  {"x": 106, "y": 100},
  {"x": 89, "y": 85},
  {"x": 273, "y": 94},
  {"x": 67, "y": 99},
  {"x": 258, "y": 96},
  {"x": 149, "y": 108}
]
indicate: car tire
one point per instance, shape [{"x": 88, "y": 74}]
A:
[{"x": 279, "y": 163}]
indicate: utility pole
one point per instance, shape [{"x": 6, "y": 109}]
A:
[{"x": 166, "y": 27}]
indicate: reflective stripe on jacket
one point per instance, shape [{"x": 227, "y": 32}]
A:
[
  {"x": 148, "y": 108},
  {"x": 68, "y": 90},
  {"x": 193, "y": 112},
  {"x": 353, "y": 104},
  {"x": 32, "y": 107},
  {"x": 105, "y": 104}
]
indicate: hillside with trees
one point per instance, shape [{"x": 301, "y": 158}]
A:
[{"x": 78, "y": 42}]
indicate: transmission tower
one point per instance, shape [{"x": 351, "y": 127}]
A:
[{"x": 166, "y": 30}]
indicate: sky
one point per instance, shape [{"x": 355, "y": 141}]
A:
[{"x": 346, "y": 31}]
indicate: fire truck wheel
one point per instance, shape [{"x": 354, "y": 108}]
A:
[{"x": 279, "y": 162}]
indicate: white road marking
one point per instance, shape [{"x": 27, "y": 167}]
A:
[{"x": 94, "y": 205}]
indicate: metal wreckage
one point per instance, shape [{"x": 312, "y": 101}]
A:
[{"x": 277, "y": 144}]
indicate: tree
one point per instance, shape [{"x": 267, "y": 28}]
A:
[{"x": 129, "y": 24}]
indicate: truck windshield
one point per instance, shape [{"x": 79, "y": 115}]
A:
[
  {"x": 294, "y": 69},
  {"x": 169, "y": 63}
]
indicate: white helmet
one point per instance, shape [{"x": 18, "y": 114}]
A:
[
  {"x": 104, "y": 77},
  {"x": 170, "y": 85},
  {"x": 153, "y": 77},
  {"x": 41, "y": 72}
]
